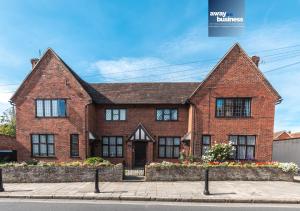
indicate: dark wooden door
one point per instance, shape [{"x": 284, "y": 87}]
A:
[{"x": 140, "y": 153}]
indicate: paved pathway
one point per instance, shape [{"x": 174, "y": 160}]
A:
[{"x": 228, "y": 191}]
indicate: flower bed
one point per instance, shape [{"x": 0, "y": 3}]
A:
[
  {"x": 33, "y": 171},
  {"x": 255, "y": 171}
]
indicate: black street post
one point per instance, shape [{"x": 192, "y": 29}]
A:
[
  {"x": 97, "y": 181},
  {"x": 206, "y": 191},
  {"x": 1, "y": 182}
]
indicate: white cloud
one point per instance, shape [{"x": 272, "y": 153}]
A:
[{"x": 4, "y": 98}]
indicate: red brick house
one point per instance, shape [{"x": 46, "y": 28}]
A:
[{"x": 60, "y": 117}]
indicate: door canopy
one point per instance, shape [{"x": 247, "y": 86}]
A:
[{"x": 141, "y": 134}]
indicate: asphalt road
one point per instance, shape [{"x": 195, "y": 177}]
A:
[{"x": 74, "y": 205}]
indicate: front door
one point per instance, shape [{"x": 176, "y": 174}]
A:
[{"x": 140, "y": 153}]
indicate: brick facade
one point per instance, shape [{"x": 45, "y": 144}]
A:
[{"x": 235, "y": 76}]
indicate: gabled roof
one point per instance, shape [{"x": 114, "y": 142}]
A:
[
  {"x": 144, "y": 93},
  {"x": 141, "y": 134},
  {"x": 237, "y": 46},
  {"x": 284, "y": 135},
  {"x": 90, "y": 91}
]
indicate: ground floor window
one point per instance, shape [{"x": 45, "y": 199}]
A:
[
  {"x": 112, "y": 146},
  {"x": 168, "y": 147},
  {"x": 206, "y": 142},
  {"x": 42, "y": 145},
  {"x": 244, "y": 147},
  {"x": 74, "y": 145}
]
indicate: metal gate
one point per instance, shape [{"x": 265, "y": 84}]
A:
[{"x": 137, "y": 173}]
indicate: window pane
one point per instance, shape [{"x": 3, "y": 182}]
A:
[
  {"x": 115, "y": 114},
  {"x": 105, "y": 140},
  {"x": 250, "y": 153},
  {"x": 61, "y": 108},
  {"x": 47, "y": 108},
  {"x": 176, "y": 152},
  {"x": 35, "y": 149},
  {"x": 108, "y": 114},
  {"x": 119, "y": 151},
  {"x": 250, "y": 140},
  {"x": 162, "y": 141},
  {"x": 54, "y": 108},
  {"x": 220, "y": 107},
  {"x": 112, "y": 140},
  {"x": 50, "y": 139},
  {"x": 169, "y": 151},
  {"x": 120, "y": 140},
  {"x": 51, "y": 149},
  {"x": 39, "y": 108},
  {"x": 247, "y": 110},
  {"x": 241, "y": 152},
  {"x": 229, "y": 107},
  {"x": 161, "y": 151},
  {"x": 123, "y": 114},
  {"x": 167, "y": 114},
  {"x": 43, "y": 139},
  {"x": 206, "y": 140},
  {"x": 176, "y": 141},
  {"x": 174, "y": 114},
  {"x": 112, "y": 151},
  {"x": 35, "y": 139},
  {"x": 43, "y": 148},
  {"x": 233, "y": 139},
  {"x": 205, "y": 148},
  {"x": 242, "y": 140},
  {"x": 170, "y": 141},
  {"x": 159, "y": 114},
  {"x": 105, "y": 151}
]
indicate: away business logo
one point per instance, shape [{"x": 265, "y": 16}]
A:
[{"x": 225, "y": 17}]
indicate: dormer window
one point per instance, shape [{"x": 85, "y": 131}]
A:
[{"x": 51, "y": 108}]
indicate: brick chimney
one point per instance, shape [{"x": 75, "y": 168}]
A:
[
  {"x": 34, "y": 61},
  {"x": 255, "y": 59}
]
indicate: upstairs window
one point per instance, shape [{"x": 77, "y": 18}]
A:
[
  {"x": 166, "y": 114},
  {"x": 243, "y": 147},
  {"x": 51, "y": 108},
  {"x": 115, "y": 114},
  {"x": 233, "y": 107}
]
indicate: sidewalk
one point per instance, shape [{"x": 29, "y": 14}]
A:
[{"x": 221, "y": 191}]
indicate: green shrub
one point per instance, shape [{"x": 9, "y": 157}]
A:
[
  {"x": 94, "y": 161},
  {"x": 218, "y": 153},
  {"x": 32, "y": 162}
]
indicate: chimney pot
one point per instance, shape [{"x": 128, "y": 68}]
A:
[
  {"x": 255, "y": 59},
  {"x": 34, "y": 61}
]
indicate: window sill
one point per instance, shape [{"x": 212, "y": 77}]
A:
[
  {"x": 52, "y": 117},
  {"x": 52, "y": 157},
  {"x": 75, "y": 156},
  {"x": 249, "y": 117}
]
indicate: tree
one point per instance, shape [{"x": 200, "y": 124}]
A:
[{"x": 8, "y": 122}]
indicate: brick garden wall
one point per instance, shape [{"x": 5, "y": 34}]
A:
[
  {"x": 217, "y": 174},
  {"x": 45, "y": 174},
  {"x": 8, "y": 143}
]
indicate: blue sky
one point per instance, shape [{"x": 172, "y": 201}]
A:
[{"x": 121, "y": 40}]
